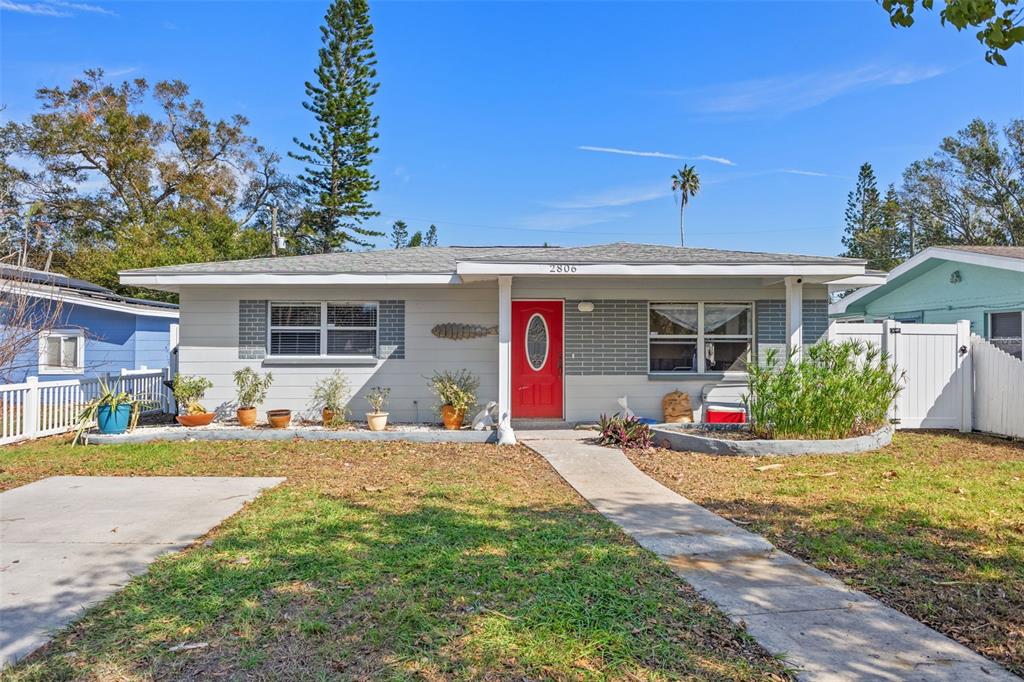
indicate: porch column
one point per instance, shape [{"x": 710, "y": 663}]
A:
[
  {"x": 794, "y": 316},
  {"x": 504, "y": 346}
]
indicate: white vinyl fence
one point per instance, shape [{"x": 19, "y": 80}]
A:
[
  {"x": 998, "y": 390},
  {"x": 935, "y": 363},
  {"x": 34, "y": 408}
]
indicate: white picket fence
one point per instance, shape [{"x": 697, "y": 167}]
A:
[
  {"x": 45, "y": 408},
  {"x": 998, "y": 390}
]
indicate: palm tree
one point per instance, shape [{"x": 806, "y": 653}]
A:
[{"x": 687, "y": 183}]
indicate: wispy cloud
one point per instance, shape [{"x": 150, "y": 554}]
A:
[
  {"x": 795, "y": 92},
  {"x": 809, "y": 173},
  {"x": 617, "y": 196},
  {"x": 655, "y": 155},
  {"x": 54, "y": 8}
]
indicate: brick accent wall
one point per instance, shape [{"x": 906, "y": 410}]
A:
[
  {"x": 611, "y": 340},
  {"x": 771, "y": 323},
  {"x": 252, "y": 330},
  {"x": 391, "y": 327},
  {"x": 815, "y": 320}
]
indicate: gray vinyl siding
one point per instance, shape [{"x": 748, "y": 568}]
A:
[{"x": 213, "y": 318}]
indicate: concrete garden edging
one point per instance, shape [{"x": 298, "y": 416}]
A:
[
  {"x": 144, "y": 435},
  {"x": 678, "y": 439}
]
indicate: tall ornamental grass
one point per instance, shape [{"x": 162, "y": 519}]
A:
[{"x": 836, "y": 391}]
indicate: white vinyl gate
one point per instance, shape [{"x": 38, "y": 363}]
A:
[
  {"x": 998, "y": 390},
  {"x": 934, "y": 361}
]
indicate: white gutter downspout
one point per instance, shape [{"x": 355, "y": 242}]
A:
[{"x": 504, "y": 347}]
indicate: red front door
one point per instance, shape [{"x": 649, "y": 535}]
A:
[{"x": 537, "y": 359}]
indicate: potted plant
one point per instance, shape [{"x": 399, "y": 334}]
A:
[
  {"x": 188, "y": 391},
  {"x": 113, "y": 411},
  {"x": 252, "y": 391},
  {"x": 279, "y": 419},
  {"x": 378, "y": 398},
  {"x": 331, "y": 394},
  {"x": 456, "y": 394}
]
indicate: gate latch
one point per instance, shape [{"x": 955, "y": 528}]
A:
[{"x": 963, "y": 350}]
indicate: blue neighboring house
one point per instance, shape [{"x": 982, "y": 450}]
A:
[
  {"x": 983, "y": 284},
  {"x": 95, "y": 331}
]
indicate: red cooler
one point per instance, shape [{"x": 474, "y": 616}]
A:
[{"x": 725, "y": 415}]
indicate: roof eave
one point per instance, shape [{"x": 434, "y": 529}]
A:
[{"x": 478, "y": 267}]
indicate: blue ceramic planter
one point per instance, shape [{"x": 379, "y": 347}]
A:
[{"x": 113, "y": 421}]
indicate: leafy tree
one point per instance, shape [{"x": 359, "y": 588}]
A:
[
  {"x": 972, "y": 190},
  {"x": 1001, "y": 21},
  {"x": 416, "y": 239},
  {"x": 687, "y": 183},
  {"x": 430, "y": 239},
  {"x": 337, "y": 178},
  {"x": 399, "y": 235},
  {"x": 124, "y": 174}
]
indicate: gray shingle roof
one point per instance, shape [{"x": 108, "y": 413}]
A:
[
  {"x": 443, "y": 259},
  {"x": 1005, "y": 251}
]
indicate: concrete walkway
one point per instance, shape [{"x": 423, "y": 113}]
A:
[
  {"x": 825, "y": 629},
  {"x": 69, "y": 541}
]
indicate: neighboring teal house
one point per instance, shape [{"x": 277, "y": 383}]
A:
[{"x": 983, "y": 284}]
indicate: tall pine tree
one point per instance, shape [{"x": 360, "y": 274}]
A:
[
  {"x": 874, "y": 226},
  {"x": 430, "y": 238},
  {"x": 337, "y": 176},
  {"x": 399, "y": 235}
]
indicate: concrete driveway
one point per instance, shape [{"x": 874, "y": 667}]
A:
[{"x": 69, "y": 541}]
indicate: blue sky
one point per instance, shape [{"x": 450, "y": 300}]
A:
[{"x": 520, "y": 123}]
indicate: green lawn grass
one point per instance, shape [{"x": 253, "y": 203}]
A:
[
  {"x": 388, "y": 561},
  {"x": 932, "y": 525}
]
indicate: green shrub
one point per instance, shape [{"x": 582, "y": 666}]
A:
[
  {"x": 836, "y": 391},
  {"x": 624, "y": 432},
  {"x": 457, "y": 389},
  {"x": 188, "y": 391},
  {"x": 252, "y": 388},
  {"x": 331, "y": 393}
]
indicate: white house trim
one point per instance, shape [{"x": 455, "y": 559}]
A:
[
  {"x": 794, "y": 316},
  {"x": 171, "y": 282},
  {"x": 504, "y": 347},
  {"x": 63, "y": 296}
]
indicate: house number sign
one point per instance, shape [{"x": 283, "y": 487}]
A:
[{"x": 561, "y": 269}]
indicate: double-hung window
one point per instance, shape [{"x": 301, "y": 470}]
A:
[
  {"x": 62, "y": 352},
  {"x": 323, "y": 329},
  {"x": 700, "y": 337}
]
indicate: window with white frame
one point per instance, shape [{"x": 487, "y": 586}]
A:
[
  {"x": 700, "y": 337},
  {"x": 1005, "y": 331},
  {"x": 323, "y": 329},
  {"x": 62, "y": 352}
]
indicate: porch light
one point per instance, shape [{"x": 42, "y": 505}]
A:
[{"x": 585, "y": 307}]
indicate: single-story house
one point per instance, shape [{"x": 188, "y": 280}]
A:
[
  {"x": 983, "y": 284},
  {"x": 552, "y": 333},
  {"x": 89, "y": 330}
]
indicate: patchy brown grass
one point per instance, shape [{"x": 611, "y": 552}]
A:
[
  {"x": 932, "y": 525},
  {"x": 388, "y": 561}
]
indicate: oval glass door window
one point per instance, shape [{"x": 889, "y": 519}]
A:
[{"x": 537, "y": 341}]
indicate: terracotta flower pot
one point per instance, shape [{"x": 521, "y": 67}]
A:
[
  {"x": 452, "y": 418},
  {"x": 198, "y": 419},
  {"x": 279, "y": 419},
  {"x": 377, "y": 421},
  {"x": 328, "y": 416},
  {"x": 246, "y": 415}
]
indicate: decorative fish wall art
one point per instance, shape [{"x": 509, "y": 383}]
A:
[{"x": 458, "y": 331}]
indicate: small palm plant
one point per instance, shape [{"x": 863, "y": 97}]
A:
[
  {"x": 114, "y": 410},
  {"x": 687, "y": 183}
]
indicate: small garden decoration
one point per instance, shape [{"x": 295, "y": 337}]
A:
[
  {"x": 456, "y": 395},
  {"x": 252, "y": 391},
  {"x": 331, "y": 395},
  {"x": 188, "y": 391},
  {"x": 113, "y": 411},
  {"x": 378, "y": 398},
  {"x": 624, "y": 432},
  {"x": 836, "y": 391}
]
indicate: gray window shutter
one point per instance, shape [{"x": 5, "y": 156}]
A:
[{"x": 252, "y": 330}]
